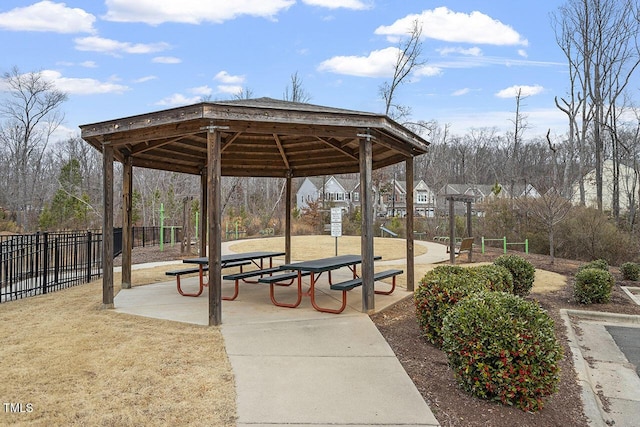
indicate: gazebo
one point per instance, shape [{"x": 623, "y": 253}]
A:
[{"x": 260, "y": 137}]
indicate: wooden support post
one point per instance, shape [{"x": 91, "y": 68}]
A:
[
  {"x": 203, "y": 213},
  {"x": 452, "y": 231},
  {"x": 469, "y": 230},
  {"x": 214, "y": 171},
  {"x": 366, "y": 239},
  {"x": 409, "y": 223},
  {"x": 127, "y": 212},
  {"x": 107, "y": 226},
  {"x": 287, "y": 220}
]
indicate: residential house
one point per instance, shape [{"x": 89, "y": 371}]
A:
[
  {"x": 480, "y": 192},
  {"x": 628, "y": 187},
  {"x": 337, "y": 192},
  {"x": 395, "y": 199}
]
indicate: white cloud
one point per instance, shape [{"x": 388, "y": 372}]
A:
[
  {"x": 335, "y": 4},
  {"x": 461, "y": 92},
  {"x": 178, "y": 99},
  {"x": 523, "y": 53},
  {"x": 379, "y": 63},
  {"x": 428, "y": 71},
  {"x": 444, "y": 24},
  {"x": 512, "y": 91},
  {"x": 156, "y": 12},
  {"x": 48, "y": 16},
  {"x": 230, "y": 89},
  {"x": 114, "y": 47},
  {"x": 82, "y": 86},
  {"x": 201, "y": 90},
  {"x": 473, "y": 51},
  {"x": 89, "y": 64},
  {"x": 228, "y": 79},
  {"x": 166, "y": 60},
  {"x": 145, "y": 79}
]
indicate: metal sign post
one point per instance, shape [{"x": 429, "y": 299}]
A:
[{"x": 336, "y": 225}]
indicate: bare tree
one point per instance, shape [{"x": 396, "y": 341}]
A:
[
  {"x": 296, "y": 92},
  {"x": 408, "y": 58},
  {"x": 30, "y": 115},
  {"x": 245, "y": 93},
  {"x": 599, "y": 39}
]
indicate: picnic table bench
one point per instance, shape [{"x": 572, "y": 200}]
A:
[
  {"x": 315, "y": 268},
  {"x": 350, "y": 284},
  {"x": 194, "y": 270},
  {"x": 226, "y": 261}
]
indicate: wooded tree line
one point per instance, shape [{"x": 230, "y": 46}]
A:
[{"x": 46, "y": 184}]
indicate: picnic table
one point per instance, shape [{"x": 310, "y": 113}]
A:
[
  {"x": 314, "y": 269},
  {"x": 227, "y": 261}
]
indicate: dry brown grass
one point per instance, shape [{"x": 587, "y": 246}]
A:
[
  {"x": 78, "y": 364},
  {"x": 305, "y": 248}
]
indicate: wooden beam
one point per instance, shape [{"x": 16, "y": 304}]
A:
[
  {"x": 452, "y": 232},
  {"x": 409, "y": 224},
  {"x": 214, "y": 169},
  {"x": 366, "y": 239},
  {"x": 107, "y": 227},
  {"x": 127, "y": 206},
  {"x": 287, "y": 220},
  {"x": 333, "y": 144},
  {"x": 203, "y": 213},
  {"x": 281, "y": 150}
]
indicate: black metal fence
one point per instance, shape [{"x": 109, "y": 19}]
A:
[{"x": 35, "y": 264}]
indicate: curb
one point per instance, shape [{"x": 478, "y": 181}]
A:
[
  {"x": 603, "y": 316},
  {"x": 592, "y": 409}
]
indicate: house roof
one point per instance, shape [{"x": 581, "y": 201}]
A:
[{"x": 260, "y": 137}]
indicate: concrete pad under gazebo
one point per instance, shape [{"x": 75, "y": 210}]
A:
[{"x": 260, "y": 137}]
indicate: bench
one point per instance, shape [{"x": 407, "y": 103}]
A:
[
  {"x": 347, "y": 285},
  {"x": 350, "y": 284},
  {"x": 275, "y": 280},
  {"x": 466, "y": 245},
  {"x": 193, "y": 270},
  {"x": 245, "y": 275}
]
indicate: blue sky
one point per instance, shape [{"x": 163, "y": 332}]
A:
[{"x": 117, "y": 58}]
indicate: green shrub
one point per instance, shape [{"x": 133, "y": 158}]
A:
[
  {"x": 503, "y": 348},
  {"x": 438, "y": 291},
  {"x": 630, "y": 271},
  {"x": 497, "y": 277},
  {"x": 600, "y": 264},
  {"x": 593, "y": 285},
  {"x": 523, "y": 273}
]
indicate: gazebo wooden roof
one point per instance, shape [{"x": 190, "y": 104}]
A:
[
  {"x": 261, "y": 137},
  {"x": 258, "y": 138}
]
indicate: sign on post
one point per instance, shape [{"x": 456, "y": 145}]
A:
[{"x": 336, "y": 225}]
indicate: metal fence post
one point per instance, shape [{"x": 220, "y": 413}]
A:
[
  {"x": 45, "y": 267},
  {"x": 89, "y": 257}
]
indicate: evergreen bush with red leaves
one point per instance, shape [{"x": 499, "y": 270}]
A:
[{"x": 503, "y": 348}]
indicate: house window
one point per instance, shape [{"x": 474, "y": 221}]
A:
[
  {"x": 422, "y": 198},
  {"x": 356, "y": 197},
  {"x": 340, "y": 197}
]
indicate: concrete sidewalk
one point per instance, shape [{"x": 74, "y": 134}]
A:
[
  {"x": 610, "y": 383},
  {"x": 300, "y": 367}
]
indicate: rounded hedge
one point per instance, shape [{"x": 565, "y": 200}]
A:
[
  {"x": 438, "y": 291},
  {"x": 600, "y": 264},
  {"x": 630, "y": 271},
  {"x": 503, "y": 348},
  {"x": 593, "y": 285},
  {"x": 497, "y": 277},
  {"x": 523, "y": 273}
]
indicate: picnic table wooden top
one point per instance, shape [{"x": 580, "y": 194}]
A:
[
  {"x": 245, "y": 256},
  {"x": 326, "y": 264}
]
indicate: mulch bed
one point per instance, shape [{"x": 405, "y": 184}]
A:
[{"x": 427, "y": 365}]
